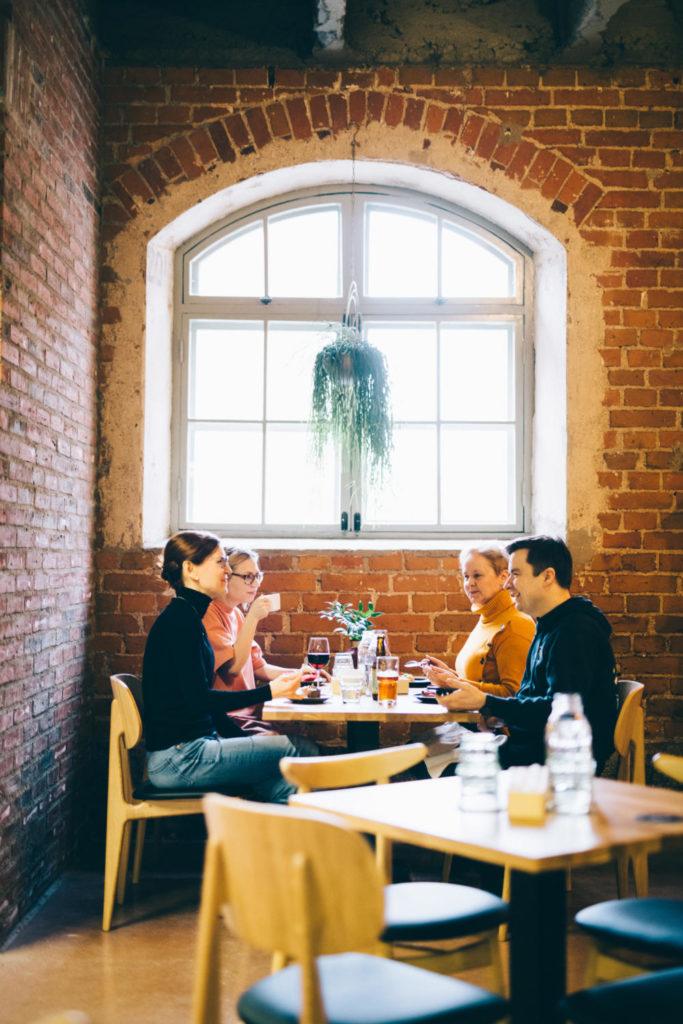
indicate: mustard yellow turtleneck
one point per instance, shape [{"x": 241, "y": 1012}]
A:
[{"x": 494, "y": 654}]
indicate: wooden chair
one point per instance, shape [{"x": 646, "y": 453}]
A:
[
  {"x": 669, "y": 764},
  {"x": 127, "y": 803},
  {"x": 629, "y": 743},
  {"x": 417, "y": 913},
  {"x": 300, "y": 882}
]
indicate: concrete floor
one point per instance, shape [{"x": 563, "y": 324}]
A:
[{"x": 142, "y": 970}]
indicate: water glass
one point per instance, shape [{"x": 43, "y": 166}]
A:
[
  {"x": 351, "y": 682},
  {"x": 343, "y": 663},
  {"x": 478, "y": 770}
]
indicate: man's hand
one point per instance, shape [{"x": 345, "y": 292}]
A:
[{"x": 465, "y": 696}]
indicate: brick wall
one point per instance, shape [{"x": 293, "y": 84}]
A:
[
  {"x": 602, "y": 149},
  {"x": 47, "y": 439}
]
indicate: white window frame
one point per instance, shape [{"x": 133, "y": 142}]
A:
[{"x": 517, "y": 309}]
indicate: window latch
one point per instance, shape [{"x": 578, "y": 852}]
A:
[
  {"x": 266, "y": 300},
  {"x": 345, "y": 521},
  {"x": 356, "y": 521}
]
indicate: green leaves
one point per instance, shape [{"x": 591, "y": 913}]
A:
[
  {"x": 351, "y": 399},
  {"x": 354, "y": 621}
]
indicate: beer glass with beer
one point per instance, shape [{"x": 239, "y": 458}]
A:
[{"x": 387, "y": 680}]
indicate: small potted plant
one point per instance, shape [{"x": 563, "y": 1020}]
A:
[{"x": 353, "y": 621}]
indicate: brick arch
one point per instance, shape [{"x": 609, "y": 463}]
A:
[{"x": 239, "y": 135}]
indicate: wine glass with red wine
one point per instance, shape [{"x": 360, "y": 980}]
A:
[{"x": 318, "y": 654}]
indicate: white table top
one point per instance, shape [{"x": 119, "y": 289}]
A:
[
  {"x": 426, "y": 813},
  {"x": 407, "y": 709}
]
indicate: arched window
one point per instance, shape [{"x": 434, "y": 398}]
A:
[{"x": 443, "y": 295}]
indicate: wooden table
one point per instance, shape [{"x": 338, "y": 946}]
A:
[
  {"x": 363, "y": 720},
  {"x": 427, "y": 814}
]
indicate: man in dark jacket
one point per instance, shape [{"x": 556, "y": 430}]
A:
[{"x": 570, "y": 653}]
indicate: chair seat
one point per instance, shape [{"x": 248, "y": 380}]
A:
[
  {"x": 420, "y": 911},
  {"x": 647, "y": 925},
  {"x": 649, "y": 997},
  {"x": 361, "y": 989}
]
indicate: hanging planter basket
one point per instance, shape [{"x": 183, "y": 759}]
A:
[{"x": 351, "y": 399}]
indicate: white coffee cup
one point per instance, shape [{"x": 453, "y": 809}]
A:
[{"x": 273, "y": 601}]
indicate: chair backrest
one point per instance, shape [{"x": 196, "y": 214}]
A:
[
  {"x": 125, "y": 732},
  {"x": 343, "y": 770},
  {"x": 294, "y": 880},
  {"x": 669, "y": 764},
  {"x": 629, "y": 732}
]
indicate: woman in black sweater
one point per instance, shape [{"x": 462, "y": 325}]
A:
[{"x": 183, "y": 746}]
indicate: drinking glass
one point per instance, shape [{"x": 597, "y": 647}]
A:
[
  {"x": 351, "y": 682},
  {"x": 318, "y": 654},
  {"x": 387, "y": 680},
  {"x": 343, "y": 663}
]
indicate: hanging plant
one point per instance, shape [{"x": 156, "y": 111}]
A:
[{"x": 351, "y": 399}]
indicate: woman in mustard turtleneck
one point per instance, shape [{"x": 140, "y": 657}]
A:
[{"x": 494, "y": 654}]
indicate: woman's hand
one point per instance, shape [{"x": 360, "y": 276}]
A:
[
  {"x": 465, "y": 696},
  {"x": 431, "y": 661},
  {"x": 286, "y": 684},
  {"x": 259, "y": 608},
  {"x": 441, "y": 676}
]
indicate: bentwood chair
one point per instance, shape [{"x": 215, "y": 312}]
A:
[
  {"x": 298, "y": 881},
  {"x": 669, "y": 764},
  {"x": 126, "y": 802},
  {"x": 418, "y": 914}
]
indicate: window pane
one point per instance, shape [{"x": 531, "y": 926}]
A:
[
  {"x": 401, "y": 252},
  {"x": 477, "y": 372},
  {"x": 292, "y": 349},
  {"x": 472, "y": 269},
  {"x": 410, "y": 351},
  {"x": 303, "y": 253},
  {"x": 224, "y": 473},
  {"x": 233, "y": 266},
  {"x": 299, "y": 491},
  {"x": 226, "y": 370},
  {"x": 408, "y": 492},
  {"x": 477, "y": 470}
]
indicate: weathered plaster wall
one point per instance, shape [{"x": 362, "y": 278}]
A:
[{"x": 593, "y": 157}]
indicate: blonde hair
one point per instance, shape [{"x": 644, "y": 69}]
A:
[
  {"x": 494, "y": 554},
  {"x": 236, "y": 556}
]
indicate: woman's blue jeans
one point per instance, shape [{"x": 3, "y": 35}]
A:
[{"x": 242, "y": 762}]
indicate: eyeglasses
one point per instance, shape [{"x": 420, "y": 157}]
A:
[{"x": 249, "y": 577}]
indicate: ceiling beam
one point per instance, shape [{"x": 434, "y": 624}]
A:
[
  {"x": 329, "y": 24},
  {"x": 585, "y": 24}
]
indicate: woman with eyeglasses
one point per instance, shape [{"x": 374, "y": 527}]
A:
[
  {"x": 231, "y": 621},
  {"x": 181, "y": 708}
]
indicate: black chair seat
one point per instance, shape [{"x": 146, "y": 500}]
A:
[
  {"x": 649, "y": 997},
  {"x": 360, "y": 989},
  {"x": 419, "y": 911},
  {"x": 647, "y": 925}
]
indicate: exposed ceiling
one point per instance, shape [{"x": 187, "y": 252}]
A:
[{"x": 362, "y": 32}]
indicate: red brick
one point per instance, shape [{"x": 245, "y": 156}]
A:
[
  {"x": 258, "y": 126},
  {"x": 393, "y": 115},
  {"x": 375, "y": 106},
  {"x": 298, "y": 117},
  {"x": 357, "y": 106},
  {"x": 277, "y": 117},
  {"x": 221, "y": 142}
]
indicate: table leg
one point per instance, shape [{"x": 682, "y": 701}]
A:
[
  {"x": 538, "y": 946},
  {"x": 362, "y": 736}
]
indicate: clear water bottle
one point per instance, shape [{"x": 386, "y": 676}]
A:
[
  {"x": 366, "y": 659},
  {"x": 569, "y": 755},
  {"x": 479, "y": 770}
]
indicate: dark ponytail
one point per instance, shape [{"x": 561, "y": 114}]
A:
[{"x": 188, "y": 545}]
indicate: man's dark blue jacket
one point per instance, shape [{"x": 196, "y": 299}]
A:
[{"x": 570, "y": 653}]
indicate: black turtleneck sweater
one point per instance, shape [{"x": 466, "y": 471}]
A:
[
  {"x": 570, "y": 653},
  {"x": 177, "y": 676}
]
